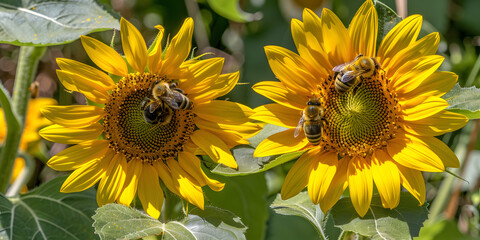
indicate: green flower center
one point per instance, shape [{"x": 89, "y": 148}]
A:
[
  {"x": 362, "y": 118},
  {"x": 128, "y": 132}
]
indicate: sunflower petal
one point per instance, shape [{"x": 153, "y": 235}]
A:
[
  {"x": 60, "y": 134},
  {"x": 323, "y": 168},
  {"x": 76, "y": 156},
  {"x": 178, "y": 49},
  {"x": 201, "y": 74},
  {"x": 134, "y": 171},
  {"x": 279, "y": 143},
  {"x": 214, "y": 147},
  {"x": 75, "y": 116},
  {"x": 155, "y": 55},
  {"x": 421, "y": 108},
  {"x": 277, "y": 114},
  {"x": 104, "y": 56},
  {"x": 133, "y": 46},
  {"x": 150, "y": 192},
  {"x": 400, "y": 37},
  {"x": 363, "y": 29},
  {"x": 221, "y": 86},
  {"x": 164, "y": 172},
  {"x": 297, "y": 177},
  {"x": 246, "y": 130},
  {"x": 337, "y": 186},
  {"x": 386, "y": 178},
  {"x": 87, "y": 87},
  {"x": 360, "y": 183},
  {"x": 86, "y": 71},
  {"x": 436, "y": 84},
  {"x": 111, "y": 185},
  {"x": 412, "y": 152},
  {"x": 412, "y": 180},
  {"x": 336, "y": 32},
  {"x": 191, "y": 164},
  {"x": 410, "y": 76},
  {"x": 223, "y": 112},
  {"x": 87, "y": 175},
  {"x": 276, "y": 91},
  {"x": 187, "y": 186},
  {"x": 437, "y": 124},
  {"x": 440, "y": 149},
  {"x": 313, "y": 30}
]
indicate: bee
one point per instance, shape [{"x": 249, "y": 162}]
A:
[
  {"x": 312, "y": 121},
  {"x": 350, "y": 74},
  {"x": 164, "y": 98}
]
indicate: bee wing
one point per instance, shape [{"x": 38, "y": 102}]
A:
[
  {"x": 153, "y": 106},
  {"x": 170, "y": 102},
  {"x": 350, "y": 75},
  {"x": 178, "y": 97},
  {"x": 340, "y": 67},
  {"x": 299, "y": 126}
]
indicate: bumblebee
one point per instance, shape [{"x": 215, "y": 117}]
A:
[
  {"x": 312, "y": 121},
  {"x": 155, "y": 111},
  {"x": 350, "y": 74}
]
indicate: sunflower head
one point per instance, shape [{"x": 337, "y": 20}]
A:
[
  {"x": 137, "y": 133},
  {"x": 382, "y": 108}
]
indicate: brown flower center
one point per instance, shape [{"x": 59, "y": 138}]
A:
[{"x": 128, "y": 132}]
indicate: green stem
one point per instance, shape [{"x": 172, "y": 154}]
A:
[{"x": 26, "y": 69}]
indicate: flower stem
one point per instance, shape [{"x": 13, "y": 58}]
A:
[{"x": 26, "y": 69}]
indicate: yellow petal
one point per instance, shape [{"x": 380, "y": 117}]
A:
[
  {"x": 437, "y": 124},
  {"x": 279, "y": 143},
  {"x": 387, "y": 179},
  {"x": 187, "y": 187},
  {"x": 155, "y": 56},
  {"x": 320, "y": 66},
  {"x": 337, "y": 186},
  {"x": 87, "y": 175},
  {"x": 323, "y": 170},
  {"x": 360, "y": 183},
  {"x": 75, "y": 116},
  {"x": 223, "y": 111},
  {"x": 178, "y": 49},
  {"x": 104, "y": 56},
  {"x": 436, "y": 84},
  {"x": 77, "y": 83},
  {"x": 421, "y": 108},
  {"x": 221, "y": 86},
  {"x": 60, "y": 134},
  {"x": 191, "y": 164},
  {"x": 363, "y": 29},
  {"x": 74, "y": 157},
  {"x": 409, "y": 76},
  {"x": 278, "y": 115},
  {"x": 412, "y": 152},
  {"x": 297, "y": 176},
  {"x": 134, "y": 171},
  {"x": 276, "y": 91},
  {"x": 313, "y": 30},
  {"x": 164, "y": 172},
  {"x": 150, "y": 192},
  {"x": 334, "y": 32},
  {"x": 201, "y": 74},
  {"x": 412, "y": 180},
  {"x": 214, "y": 147},
  {"x": 111, "y": 185},
  {"x": 245, "y": 130},
  {"x": 291, "y": 70},
  {"x": 440, "y": 149},
  {"x": 133, "y": 46},
  {"x": 399, "y": 38},
  {"x": 86, "y": 71},
  {"x": 428, "y": 45}
]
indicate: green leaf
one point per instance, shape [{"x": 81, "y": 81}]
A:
[
  {"x": 46, "y": 213},
  {"x": 403, "y": 222},
  {"x": 230, "y": 9},
  {"x": 442, "y": 229},
  {"x": 51, "y": 22},
  {"x": 245, "y": 196},
  {"x": 301, "y": 205},
  {"x": 387, "y": 19},
  {"x": 267, "y": 131},
  {"x": 116, "y": 221},
  {"x": 465, "y": 101}
]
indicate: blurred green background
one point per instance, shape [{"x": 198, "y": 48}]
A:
[{"x": 456, "y": 214}]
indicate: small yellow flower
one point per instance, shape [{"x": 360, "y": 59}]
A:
[
  {"x": 115, "y": 146},
  {"x": 381, "y": 131},
  {"x": 33, "y": 122}
]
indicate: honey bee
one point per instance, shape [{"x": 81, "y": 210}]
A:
[
  {"x": 350, "y": 74},
  {"x": 312, "y": 121},
  {"x": 164, "y": 98}
]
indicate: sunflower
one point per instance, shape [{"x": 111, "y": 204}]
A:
[
  {"x": 30, "y": 137},
  {"x": 382, "y": 130},
  {"x": 118, "y": 147}
]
